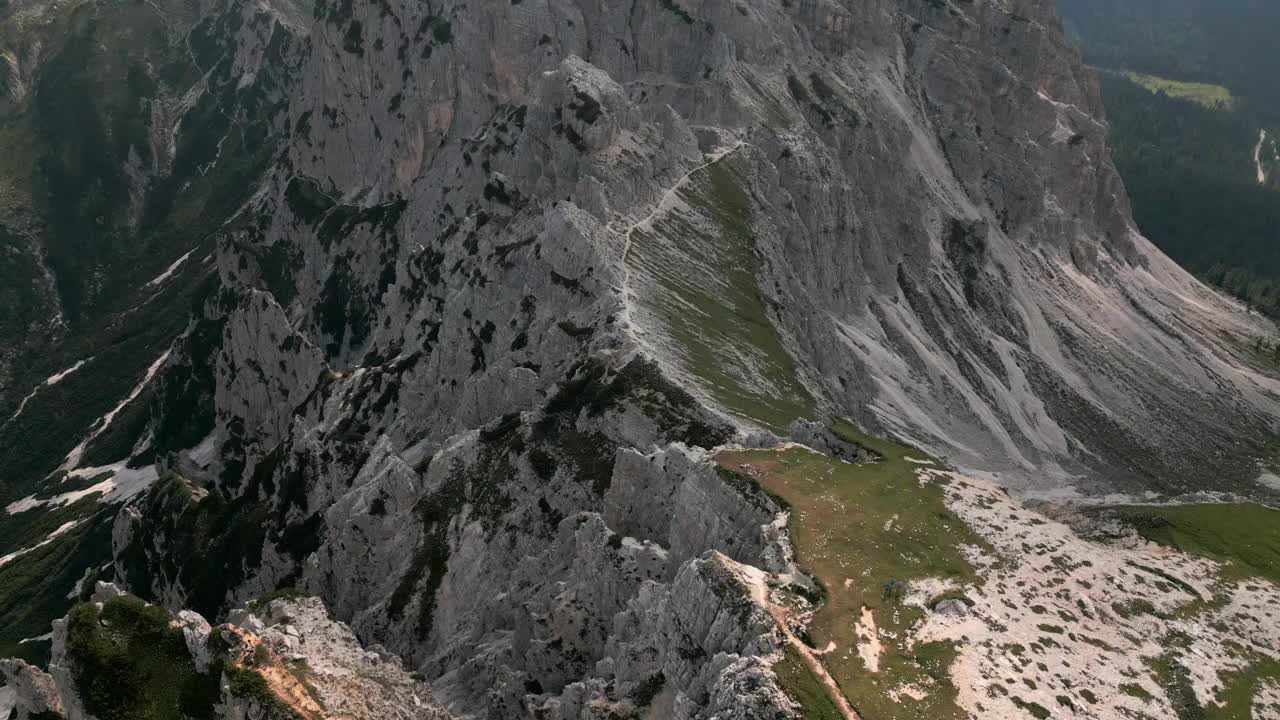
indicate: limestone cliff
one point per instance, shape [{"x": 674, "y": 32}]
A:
[
  {"x": 513, "y": 269},
  {"x": 517, "y": 262},
  {"x": 280, "y": 660}
]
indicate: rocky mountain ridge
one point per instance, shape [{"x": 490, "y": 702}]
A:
[
  {"x": 1085, "y": 618},
  {"x": 511, "y": 273},
  {"x": 279, "y": 660}
]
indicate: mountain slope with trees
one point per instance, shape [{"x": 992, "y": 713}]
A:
[{"x": 1202, "y": 177}]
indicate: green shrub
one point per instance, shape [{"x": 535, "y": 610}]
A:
[
  {"x": 130, "y": 664},
  {"x": 251, "y": 685}
]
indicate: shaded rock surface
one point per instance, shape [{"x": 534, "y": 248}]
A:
[
  {"x": 514, "y": 269},
  {"x": 494, "y": 301},
  {"x": 298, "y": 661},
  {"x": 344, "y": 678}
]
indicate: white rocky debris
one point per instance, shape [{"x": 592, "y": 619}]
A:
[
  {"x": 118, "y": 482},
  {"x": 1257, "y": 156},
  {"x": 72, "y": 460},
  {"x": 53, "y": 379},
  {"x": 1057, "y": 616}
]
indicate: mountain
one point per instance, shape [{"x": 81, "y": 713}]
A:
[
  {"x": 542, "y": 340},
  {"x": 281, "y": 659},
  {"x": 1194, "y": 131},
  {"x": 127, "y": 139}
]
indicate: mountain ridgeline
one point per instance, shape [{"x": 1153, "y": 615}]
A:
[
  {"x": 473, "y": 295},
  {"x": 128, "y": 135}
]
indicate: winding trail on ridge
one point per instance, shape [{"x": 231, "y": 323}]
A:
[
  {"x": 664, "y": 204},
  {"x": 757, "y": 585},
  {"x": 754, "y": 579}
]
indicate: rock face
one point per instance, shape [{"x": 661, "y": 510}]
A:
[
  {"x": 27, "y": 691},
  {"x": 119, "y": 157},
  {"x": 901, "y": 211},
  {"x": 493, "y": 296},
  {"x": 129, "y": 133},
  {"x": 342, "y": 677},
  {"x": 492, "y": 567},
  {"x": 515, "y": 268},
  {"x": 290, "y": 661}
]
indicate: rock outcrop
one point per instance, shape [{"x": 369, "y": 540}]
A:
[
  {"x": 339, "y": 677},
  {"x": 495, "y": 300},
  {"x": 284, "y": 659},
  {"x": 513, "y": 271},
  {"x": 27, "y": 692},
  {"x": 492, "y": 566}
]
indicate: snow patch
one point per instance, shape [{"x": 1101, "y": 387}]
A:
[
  {"x": 73, "y": 458},
  {"x": 168, "y": 273},
  {"x": 121, "y": 483},
  {"x": 1257, "y": 157},
  {"x": 53, "y": 379},
  {"x": 6, "y": 559}
]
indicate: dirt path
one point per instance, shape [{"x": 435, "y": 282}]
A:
[
  {"x": 292, "y": 692},
  {"x": 662, "y": 206},
  {"x": 755, "y": 580},
  {"x": 287, "y": 688},
  {"x": 810, "y": 659}
]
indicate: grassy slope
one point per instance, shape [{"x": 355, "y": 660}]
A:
[
  {"x": 130, "y": 664},
  {"x": 1214, "y": 97},
  {"x": 805, "y": 687},
  {"x": 708, "y": 270},
  {"x": 868, "y": 524},
  {"x": 1235, "y": 701},
  {"x": 1244, "y": 537},
  {"x": 35, "y": 586},
  {"x": 1240, "y": 690},
  {"x": 63, "y": 148}
]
